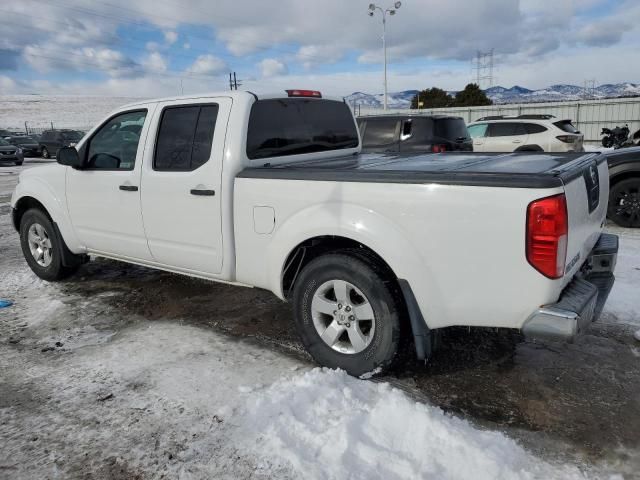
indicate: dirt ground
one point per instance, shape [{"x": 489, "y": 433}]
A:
[{"x": 577, "y": 402}]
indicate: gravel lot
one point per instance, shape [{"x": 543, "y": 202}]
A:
[{"x": 65, "y": 414}]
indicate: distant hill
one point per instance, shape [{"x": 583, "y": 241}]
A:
[{"x": 515, "y": 94}]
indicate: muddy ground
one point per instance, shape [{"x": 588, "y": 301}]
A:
[{"x": 579, "y": 402}]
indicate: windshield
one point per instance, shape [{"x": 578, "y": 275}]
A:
[
  {"x": 291, "y": 126},
  {"x": 21, "y": 140},
  {"x": 72, "y": 135},
  {"x": 4, "y": 143}
]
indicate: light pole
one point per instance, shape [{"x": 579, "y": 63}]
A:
[{"x": 391, "y": 11}]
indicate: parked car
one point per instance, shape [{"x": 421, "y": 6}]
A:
[
  {"x": 29, "y": 145},
  {"x": 414, "y": 133},
  {"x": 271, "y": 192},
  {"x": 53, "y": 140},
  {"x": 10, "y": 153},
  {"x": 624, "y": 190},
  {"x": 5, "y": 133},
  {"x": 525, "y": 133}
]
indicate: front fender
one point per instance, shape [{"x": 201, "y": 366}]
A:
[
  {"x": 52, "y": 197},
  {"x": 363, "y": 225}
]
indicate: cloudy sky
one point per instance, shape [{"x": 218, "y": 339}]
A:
[{"x": 160, "y": 47}]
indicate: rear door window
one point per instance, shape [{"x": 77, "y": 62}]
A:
[
  {"x": 380, "y": 131},
  {"x": 506, "y": 129},
  {"x": 184, "y": 137},
  {"x": 291, "y": 126},
  {"x": 533, "y": 128}
]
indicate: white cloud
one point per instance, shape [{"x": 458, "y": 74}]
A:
[
  {"x": 170, "y": 37},
  {"x": 207, "y": 65},
  {"x": 270, "y": 67},
  {"x": 155, "y": 63},
  {"x": 186, "y": 45},
  {"x": 106, "y": 60}
]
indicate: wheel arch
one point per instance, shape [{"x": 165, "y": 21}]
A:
[
  {"x": 530, "y": 148},
  {"x": 346, "y": 226}
]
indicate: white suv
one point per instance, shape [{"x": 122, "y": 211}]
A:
[{"x": 529, "y": 133}]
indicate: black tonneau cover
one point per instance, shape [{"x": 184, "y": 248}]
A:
[{"x": 516, "y": 170}]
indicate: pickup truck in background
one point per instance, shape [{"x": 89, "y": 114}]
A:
[{"x": 271, "y": 191}]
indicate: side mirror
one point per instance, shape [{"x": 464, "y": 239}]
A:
[{"x": 69, "y": 156}]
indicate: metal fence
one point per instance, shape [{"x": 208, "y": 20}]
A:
[
  {"x": 589, "y": 116},
  {"x": 32, "y": 128}
]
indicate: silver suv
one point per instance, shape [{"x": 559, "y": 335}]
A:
[{"x": 525, "y": 133}]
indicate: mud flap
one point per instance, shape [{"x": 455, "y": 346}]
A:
[{"x": 422, "y": 335}]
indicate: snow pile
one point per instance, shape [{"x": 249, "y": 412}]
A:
[{"x": 327, "y": 425}]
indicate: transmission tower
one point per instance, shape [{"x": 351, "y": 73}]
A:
[
  {"x": 589, "y": 90},
  {"x": 483, "y": 65}
]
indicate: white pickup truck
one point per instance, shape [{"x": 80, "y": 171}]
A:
[{"x": 272, "y": 192}]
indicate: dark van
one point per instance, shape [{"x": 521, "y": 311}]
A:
[{"x": 414, "y": 133}]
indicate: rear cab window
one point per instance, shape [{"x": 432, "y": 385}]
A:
[{"x": 292, "y": 126}]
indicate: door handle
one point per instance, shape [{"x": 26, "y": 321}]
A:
[
  {"x": 203, "y": 193},
  {"x": 128, "y": 188},
  {"x": 517, "y": 141}
]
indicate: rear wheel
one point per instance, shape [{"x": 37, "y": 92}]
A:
[
  {"x": 41, "y": 247},
  {"x": 624, "y": 203},
  {"x": 346, "y": 314},
  {"x": 45, "y": 153}
]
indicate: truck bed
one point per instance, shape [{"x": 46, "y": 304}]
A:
[{"x": 514, "y": 170}]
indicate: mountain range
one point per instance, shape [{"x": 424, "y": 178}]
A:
[{"x": 515, "y": 94}]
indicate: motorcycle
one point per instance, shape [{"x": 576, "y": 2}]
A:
[
  {"x": 615, "y": 137},
  {"x": 619, "y": 137}
]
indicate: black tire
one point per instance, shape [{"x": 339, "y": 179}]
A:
[
  {"x": 624, "y": 203},
  {"x": 45, "y": 153},
  {"x": 377, "y": 290},
  {"x": 607, "y": 142},
  {"x": 54, "y": 270}
]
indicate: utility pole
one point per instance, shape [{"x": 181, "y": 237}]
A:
[
  {"x": 391, "y": 11},
  {"x": 234, "y": 83}
]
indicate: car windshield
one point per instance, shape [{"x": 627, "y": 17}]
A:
[
  {"x": 4, "y": 143},
  {"x": 72, "y": 135},
  {"x": 21, "y": 140}
]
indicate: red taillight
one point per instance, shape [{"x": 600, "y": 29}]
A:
[
  {"x": 438, "y": 148},
  {"x": 304, "y": 93},
  {"x": 547, "y": 231},
  {"x": 567, "y": 138}
]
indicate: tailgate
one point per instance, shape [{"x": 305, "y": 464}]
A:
[{"x": 587, "y": 192}]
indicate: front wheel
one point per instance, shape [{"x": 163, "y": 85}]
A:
[
  {"x": 607, "y": 142},
  {"x": 41, "y": 248},
  {"x": 45, "y": 153},
  {"x": 347, "y": 314},
  {"x": 624, "y": 203}
]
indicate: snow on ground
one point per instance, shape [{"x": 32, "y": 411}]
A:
[
  {"x": 327, "y": 425},
  {"x": 216, "y": 407},
  {"x": 63, "y": 110}
]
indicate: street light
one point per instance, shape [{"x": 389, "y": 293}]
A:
[{"x": 391, "y": 11}]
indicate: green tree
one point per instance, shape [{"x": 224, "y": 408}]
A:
[
  {"x": 432, "y": 98},
  {"x": 471, "y": 96}
]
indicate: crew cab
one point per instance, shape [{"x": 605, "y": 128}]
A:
[{"x": 271, "y": 191}]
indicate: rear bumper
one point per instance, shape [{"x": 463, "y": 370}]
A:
[{"x": 582, "y": 301}]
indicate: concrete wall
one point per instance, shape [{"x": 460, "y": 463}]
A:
[{"x": 589, "y": 116}]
